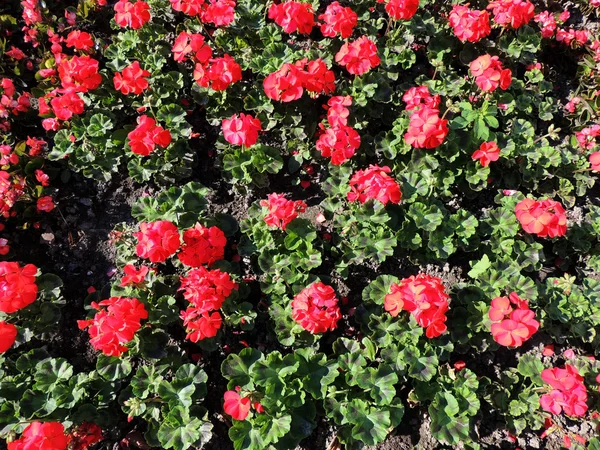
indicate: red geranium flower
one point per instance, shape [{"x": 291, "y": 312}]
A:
[
  {"x": 64, "y": 106},
  {"x": 157, "y": 240},
  {"x": 114, "y": 326},
  {"x": 132, "y": 80},
  {"x": 569, "y": 393},
  {"x": 219, "y": 12},
  {"x": 426, "y": 129},
  {"x": 338, "y": 143},
  {"x": 545, "y": 218},
  {"x": 218, "y": 74},
  {"x": 80, "y": 40},
  {"x": 42, "y": 436},
  {"x": 515, "y": 13},
  {"x": 359, "y": 56},
  {"x": 469, "y": 24},
  {"x": 236, "y": 406},
  {"x": 425, "y": 298},
  {"x": 489, "y": 74},
  {"x": 144, "y": 138},
  {"x": 512, "y": 327},
  {"x": 133, "y": 275},
  {"x": 133, "y": 15},
  {"x": 293, "y": 16},
  {"x": 207, "y": 289},
  {"x": 189, "y": 7},
  {"x": 401, "y": 9},
  {"x": 338, "y": 19},
  {"x": 17, "y": 286},
  {"x": 419, "y": 96},
  {"x": 45, "y": 204},
  {"x": 281, "y": 211},
  {"x": 191, "y": 44},
  {"x": 241, "y": 130},
  {"x": 286, "y": 84},
  {"x": 316, "y": 308},
  {"x": 595, "y": 161},
  {"x": 318, "y": 79},
  {"x": 374, "y": 183},
  {"x": 80, "y": 73},
  {"x": 201, "y": 325},
  {"x": 487, "y": 152},
  {"x": 202, "y": 246},
  {"x": 8, "y": 334}
]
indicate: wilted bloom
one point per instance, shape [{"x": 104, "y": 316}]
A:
[
  {"x": 133, "y": 15},
  {"x": 487, "y": 152},
  {"x": 425, "y": 298},
  {"x": 236, "y": 406},
  {"x": 359, "y": 56},
  {"x": 114, "y": 326},
  {"x": 41, "y": 436},
  {"x": 157, "y": 240},
  {"x": 132, "y": 80},
  {"x": 241, "y": 130},
  {"x": 469, "y": 24},
  {"x": 374, "y": 183},
  {"x": 489, "y": 74},
  {"x": 545, "y": 218},
  {"x": 316, "y": 308},
  {"x": 202, "y": 245},
  {"x": 84, "y": 436},
  {"x": 426, "y": 129},
  {"x": 8, "y": 334},
  {"x": 293, "y": 16},
  {"x": 281, "y": 211},
  {"x": 338, "y": 19},
  {"x": 513, "y": 321}
]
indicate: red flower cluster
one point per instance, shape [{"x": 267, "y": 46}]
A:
[
  {"x": 17, "y": 286},
  {"x": 206, "y": 290},
  {"x": 515, "y": 13},
  {"x": 374, "y": 183},
  {"x": 469, "y": 24},
  {"x": 338, "y": 19},
  {"x": 202, "y": 245},
  {"x": 191, "y": 44},
  {"x": 425, "y": 298},
  {"x": 157, "y": 240},
  {"x": 241, "y": 130},
  {"x": 489, "y": 74},
  {"x": 8, "y": 334},
  {"x": 487, "y": 152},
  {"x": 339, "y": 141},
  {"x": 218, "y": 73},
  {"x": 316, "y": 308},
  {"x": 132, "y": 80},
  {"x": 80, "y": 73},
  {"x": 189, "y": 7},
  {"x": 236, "y": 406},
  {"x": 133, "y": 15},
  {"x": 41, "y": 436},
  {"x": 133, "y": 275},
  {"x": 288, "y": 83},
  {"x": 293, "y": 16},
  {"x": 114, "y": 326},
  {"x": 80, "y": 40},
  {"x": 426, "y": 128},
  {"x": 419, "y": 96},
  {"x": 359, "y": 56},
  {"x": 84, "y": 436},
  {"x": 512, "y": 326},
  {"x": 281, "y": 211},
  {"x": 147, "y": 135},
  {"x": 401, "y": 9},
  {"x": 11, "y": 190},
  {"x": 569, "y": 393},
  {"x": 545, "y": 218},
  {"x": 8, "y": 103},
  {"x": 217, "y": 12}
]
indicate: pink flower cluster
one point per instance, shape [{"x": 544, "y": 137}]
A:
[
  {"x": 512, "y": 321},
  {"x": 426, "y": 128},
  {"x": 513, "y": 13},
  {"x": 469, "y": 24},
  {"x": 338, "y": 20},
  {"x": 568, "y": 393},
  {"x": 359, "y": 56},
  {"x": 339, "y": 141},
  {"x": 489, "y": 73}
]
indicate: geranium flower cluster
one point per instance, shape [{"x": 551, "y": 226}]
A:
[
  {"x": 545, "y": 218},
  {"x": 157, "y": 240},
  {"x": 114, "y": 326},
  {"x": 8, "y": 335},
  {"x": 374, "y": 183},
  {"x": 338, "y": 20},
  {"x": 238, "y": 407},
  {"x": 144, "y": 138},
  {"x": 132, "y": 80},
  {"x": 293, "y": 16},
  {"x": 595, "y": 162},
  {"x": 10, "y": 102},
  {"x": 206, "y": 290},
  {"x": 80, "y": 40},
  {"x": 489, "y": 73},
  {"x": 469, "y": 24},
  {"x": 202, "y": 245},
  {"x": 288, "y": 83},
  {"x": 241, "y": 130},
  {"x": 12, "y": 188},
  {"x": 316, "y": 308},
  {"x": 426, "y": 128},
  {"x": 133, "y": 276},
  {"x": 218, "y": 73},
  {"x": 132, "y": 15},
  {"x": 513, "y": 13},
  {"x": 425, "y": 298},
  {"x": 218, "y": 12},
  {"x": 570, "y": 36},
  {"x": 41, "y": 436},
  {"x": 400, "y": 9},
  {"x": 486, "y": 153},
  {"x": 17, "y": 286},
  {"x": 587, "y": 136},
  {"x": 359, "y": 56},
  {"x": 281, "y": 211},
  {"x": 340, "y": 141},
  {"x": 512, "y": 321},
  {"x": 569, "y": 393},
  {"x": 192, "y": 45}
]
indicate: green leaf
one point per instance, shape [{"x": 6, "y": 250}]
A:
[
  {"x": 480, "y": 267},
  {"x": 379, "y": 288},
  {"x": 177, "y": 392},
  {"x": 179, "y": 431},
  {"x": 275, "y": 429},
  {"x": 51, "y": 372},
  {"x": 531, "y": 367},
  {"x": 372, "y": 427},
  {"x": 112, "y": 368},
  {"x": 236, "y": 368}
]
